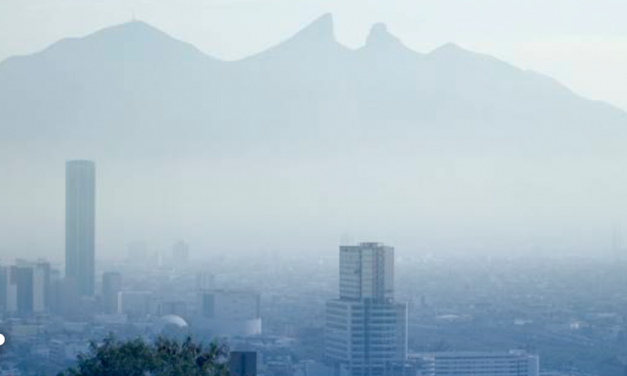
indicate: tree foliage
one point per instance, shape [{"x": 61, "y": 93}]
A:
[{"x": 166, "y": 357}]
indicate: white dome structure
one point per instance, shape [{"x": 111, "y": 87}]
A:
[{"x": 171, "y": 326}]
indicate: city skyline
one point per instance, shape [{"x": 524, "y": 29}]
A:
[{"x": 313, "y": 188}]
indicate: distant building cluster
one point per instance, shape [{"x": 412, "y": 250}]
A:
[{"x": 356, "y": 327}]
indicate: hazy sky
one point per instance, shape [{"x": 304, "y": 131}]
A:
[
  {"x": 582, "y": 43},
  {"x": 572, "y": 203}
]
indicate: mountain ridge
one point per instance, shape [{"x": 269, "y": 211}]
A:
[
  {"x": 149, "y": 80},
  {"x": 303, "y": 141}
]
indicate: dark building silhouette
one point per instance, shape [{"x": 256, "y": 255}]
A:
[
  {"x": 243, "y": 363},
  {"x": 23, "y": 279},
  {"x": 27, "y": 287}
]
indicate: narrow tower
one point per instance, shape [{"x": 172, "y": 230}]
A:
[{"x": 80, "y": 224}]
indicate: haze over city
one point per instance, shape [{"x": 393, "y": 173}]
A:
[
  {"x": 492, "y": 186},
  {"x": 313, "y": 188}
]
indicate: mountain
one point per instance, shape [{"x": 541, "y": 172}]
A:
[
  {"x": 133, "y": 79},
  {"x": 132, "y": 93},
  {"x": 124, "y": 76}
]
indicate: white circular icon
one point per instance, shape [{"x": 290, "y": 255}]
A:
[{"x": 1, "y": 340}]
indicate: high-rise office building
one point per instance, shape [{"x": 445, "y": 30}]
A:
[
  {"x": 111, "y": 287},
  {"x": 367, "y": 272},
  {"x": 41, "y": 286},
  {"x": 22, "y": 277},
  {"x": 80, "y": 224},
  {"x": 366, "y": 330},
  {"x": 27, "y": 287}
]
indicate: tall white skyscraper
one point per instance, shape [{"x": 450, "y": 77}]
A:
[
  {"x": 366, "y": 330},
  {"x": 80, "y": 224}
]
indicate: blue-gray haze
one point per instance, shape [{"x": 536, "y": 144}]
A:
[{"x": 309, "y": 141}]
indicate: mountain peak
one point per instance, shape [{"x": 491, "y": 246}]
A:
[
  {"x": 134, "y": 40},
  {"x": 322, "y": 29},
  {"x": 449, "y": 49},
  {"x": 380, "y": 36},
  {"x": 133, "y": 25},
  {"x": 381, "y": 42},
  {"x": 133, "y": 29},
  {"x": 318, "y": 37}
]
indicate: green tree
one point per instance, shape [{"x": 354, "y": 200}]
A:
[{"x": 165, "y": 357}]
